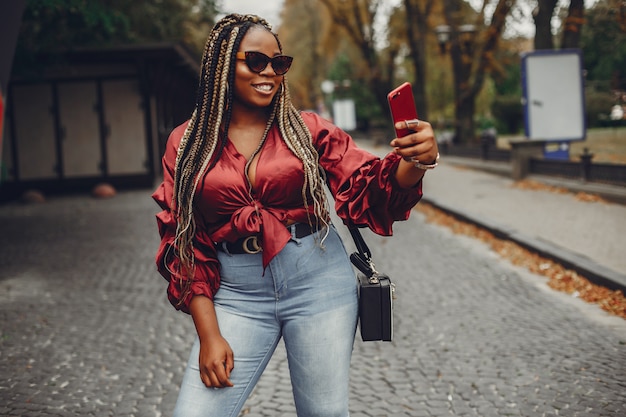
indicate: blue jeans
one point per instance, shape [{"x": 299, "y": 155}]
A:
[{"x": 307, "y": 296}]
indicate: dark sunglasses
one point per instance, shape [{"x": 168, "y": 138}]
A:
[{"x": 257, "y": 62}]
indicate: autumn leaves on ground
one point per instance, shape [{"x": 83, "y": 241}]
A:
[{"x": 559, "y": 278}]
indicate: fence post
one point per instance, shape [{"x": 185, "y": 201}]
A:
[{"x": 585, "y": 159}]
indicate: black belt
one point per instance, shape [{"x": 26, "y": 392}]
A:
[{"x": 252, "y": 244}]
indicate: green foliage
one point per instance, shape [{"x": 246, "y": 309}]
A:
[
  {"x": 604, "y": 45},
  {"x": 604, "y": 54},
  {"x": 52, "y": 26},
  {"x": 510, "y": 82},
  {"x": 506, "y": 105},
  {"x": 341, "y": 68},
  {"x": 368, "y": 112},
  {"x": 49, "y": 25},
  {"x": 508, "y": 112},
  {"x": 597, "y": 106}
]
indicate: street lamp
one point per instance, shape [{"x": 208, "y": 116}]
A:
[
  {"x": 464, "y": 34},
  {"x": 443, "y": 37}
]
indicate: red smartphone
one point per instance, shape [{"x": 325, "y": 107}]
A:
[{"x": 402, "y": 106}]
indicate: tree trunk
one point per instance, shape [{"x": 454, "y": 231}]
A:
[
  {"x": 419, "y": 85},
  {"x": 465, "y": 51},
  {"x": 460, "y": 55},
  {"x": 382, "y": 87},
  {"x": 464, "y": 98},
  {"x": 573, "y": 24},
  {"x": 465, "y": 128},
  {"x": 542, "y": 15},
  {"x": 417, "y": 28}
]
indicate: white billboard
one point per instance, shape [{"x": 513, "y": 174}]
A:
[{"x": 553, "y": 97}]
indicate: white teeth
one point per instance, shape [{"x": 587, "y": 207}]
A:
[{"x": 263, "y": 87}]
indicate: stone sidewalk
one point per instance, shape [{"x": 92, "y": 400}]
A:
[{"x": 86, "y": 329}]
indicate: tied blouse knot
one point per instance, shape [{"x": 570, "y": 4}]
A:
[{"x": 227, "y": 207}]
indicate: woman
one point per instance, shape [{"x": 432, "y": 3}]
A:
[{"x": 247, "y": 245}]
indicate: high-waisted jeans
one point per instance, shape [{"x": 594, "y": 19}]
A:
[{"x": 307, "y": 296}]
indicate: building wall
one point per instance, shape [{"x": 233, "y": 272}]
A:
[{"x": 85, "y": 126}]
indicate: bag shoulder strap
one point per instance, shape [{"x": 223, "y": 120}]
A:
[
  {"x": 359, "y": 242},
  {"x": 363, "y": 258}
]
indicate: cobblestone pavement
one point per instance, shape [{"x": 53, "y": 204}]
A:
[
  {"x": 86, "y": 329},
  {"x": 591, "y": 231}
]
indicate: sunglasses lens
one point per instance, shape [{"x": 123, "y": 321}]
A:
[
  {"x": 256, "y": 61},
  {"x": 281, "y": 64}
]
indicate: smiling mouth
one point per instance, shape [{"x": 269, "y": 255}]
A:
[{"x": 265, "y": 88}]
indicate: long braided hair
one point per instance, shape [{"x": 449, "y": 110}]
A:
[{"x": 205, "y": 136}]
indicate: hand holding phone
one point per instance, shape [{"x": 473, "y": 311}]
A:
[
  {"x": 402, "y": 107},
  {"x": 421, "y": 148}
]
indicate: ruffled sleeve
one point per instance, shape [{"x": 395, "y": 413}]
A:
[
  {"x": 206, "y": 278},
  {"x": 364, "y": 186}
]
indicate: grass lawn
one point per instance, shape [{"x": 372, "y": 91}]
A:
[{"x": 606, "y": 144}]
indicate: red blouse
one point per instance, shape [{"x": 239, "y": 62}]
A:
[{"x": 363, "y": 185}]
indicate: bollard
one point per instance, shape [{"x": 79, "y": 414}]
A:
[
  {"x": 585, "y": 160},
  {"x": 487, "y": 139}
]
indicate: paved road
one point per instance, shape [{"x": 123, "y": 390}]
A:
[{"x": 86, "y": 329}]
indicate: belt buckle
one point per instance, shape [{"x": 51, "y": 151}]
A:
[{"x": 251, "y": 245}]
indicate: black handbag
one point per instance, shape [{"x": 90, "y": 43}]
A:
[{"x": 376, "y": 293}]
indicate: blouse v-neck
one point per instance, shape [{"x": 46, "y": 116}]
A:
[{"x": 248, "y": 161}]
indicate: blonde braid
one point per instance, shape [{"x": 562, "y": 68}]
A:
[{"x": 298, "y": 139}]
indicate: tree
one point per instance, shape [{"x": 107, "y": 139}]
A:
[
  {"x": 407, "y": 32},
  {"x": 472, "y": 55},
  {"x": 409, "y": 35},
  {"x": 604, "y": 46},
  {"x": 417, "y": 14},
  {"x": 323, "y": 52},
  {"x": 356, "y": 18},
  {"x": 542, "y": 15},
  {"x": 506, "y": 105},
  {"x": 50, "y": 26},
  {"x": 305, "y": 41},
  {"x": 571, "y": 27}
]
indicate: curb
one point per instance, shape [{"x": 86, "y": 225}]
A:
[{"x": 584, "y": 266}]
